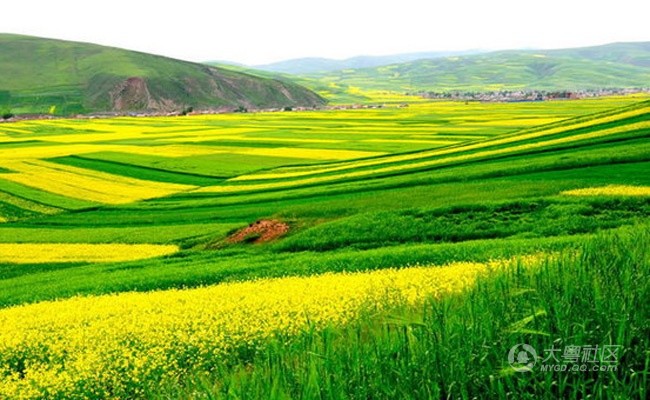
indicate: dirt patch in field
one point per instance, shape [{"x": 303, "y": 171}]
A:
[{"x": 260, "y": 231}]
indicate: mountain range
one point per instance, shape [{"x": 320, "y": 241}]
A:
[
  {"x": 310, "y": 65},
  {"x": 617, "y": 65}
]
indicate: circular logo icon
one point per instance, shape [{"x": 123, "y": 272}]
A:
[{"x": 522, "y": 357}]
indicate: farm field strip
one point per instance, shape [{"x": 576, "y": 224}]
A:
[
  {"x": 34, "y": 253},
  {"x": 200, "y": 170},
  {"x": 503, "y": 121},
  {"x": 38, "y": 196},
  {"x": 14, "y": 129},
  {"x": 207, "y": 138},
  {"x": 303, "y": 152},
  {"x": 86, "y": 184},
  {"x": 126, "y": 134},
  {"x": 83, "y": 335},
  {"x": 610, "y": 190},
  {"x": 7, "y": 139},
  {"x": 28, "y": 204},
  {"x": 119, "y": 232},
  {"x": 121, "y": 164},
  {"x": 433, "y": 141},
  {"x": 60, "y": 150}
]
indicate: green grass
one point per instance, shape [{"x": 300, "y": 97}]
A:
[
  {"x": 457, "y": 347},
  {"x": 532, "y": 218}
]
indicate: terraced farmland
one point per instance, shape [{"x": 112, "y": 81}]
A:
[{"x": 522, "y": 209}]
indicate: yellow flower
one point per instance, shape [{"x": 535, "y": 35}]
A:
[
  {"x": 33, "y": 253},
  {"x": 86, "y": 184},
  {"x": 120, "y": 340},
  {"x": 610, "y": 190}
]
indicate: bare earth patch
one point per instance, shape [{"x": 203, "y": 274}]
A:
[{"x": 260, "y": 231}]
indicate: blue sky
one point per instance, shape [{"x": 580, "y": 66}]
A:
[{"x": 255, "y": 32}]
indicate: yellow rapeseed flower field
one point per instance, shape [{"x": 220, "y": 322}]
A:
[
  {"x": 62, "y": 150},
  {"x": 300, "y": 152},
  {"x": 210, "y": 137},
  {"x": 86, "y": 184},
  {"x": 34, "y": 253},
  {"x": 610, "y": 190},
  {"x": 104, "y": 346}
]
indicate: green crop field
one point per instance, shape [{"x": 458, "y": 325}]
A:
[{"x": 394, "y": 252}]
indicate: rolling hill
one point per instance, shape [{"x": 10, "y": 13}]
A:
[
  {"x": 40, "y": 75},
  {"x": 311, "y": 65},
  {"x": 618, "y": 65}
]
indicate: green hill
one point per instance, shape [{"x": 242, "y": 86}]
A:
[
  {"x": 310, "y": 65},
  {"x": 619, "y": 65},
  {"x": 44, "y": 75}
]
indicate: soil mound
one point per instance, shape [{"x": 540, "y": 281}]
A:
[{"x": 260, "y": 231}]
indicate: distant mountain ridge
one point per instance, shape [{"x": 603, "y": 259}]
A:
[
  {"x": 310, "y": 65},
  {"x": 616, "y": 65},
  {"x": 39, "y": 75}
]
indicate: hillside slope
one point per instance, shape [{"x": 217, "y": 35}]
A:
[
  {"x": 618, "y": 65},
  {"x": 46, "y": 75},
  {"x": 311, "y": 65}
]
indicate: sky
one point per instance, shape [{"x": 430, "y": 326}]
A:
[{"x": 256, "y": 32}]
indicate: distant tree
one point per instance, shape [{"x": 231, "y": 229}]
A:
[
  {"x": 7, "y": 115},
  {"x": 287, "y": 108},
  {"x": 241, "y": 109},
  {"x": 187, "y": 110}
]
